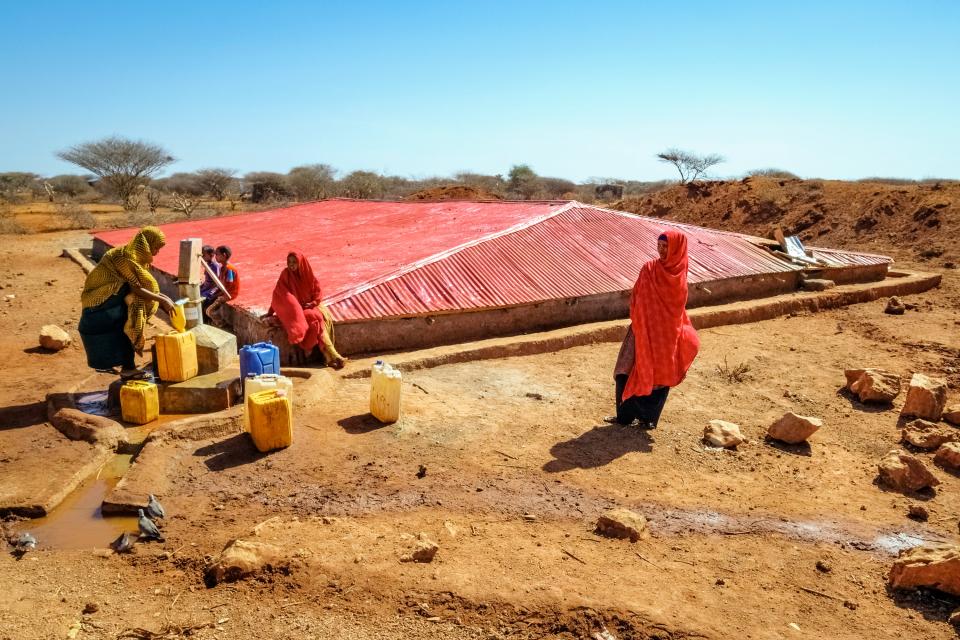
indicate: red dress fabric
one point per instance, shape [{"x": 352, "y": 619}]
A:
[
  {"x": 666, "y": 342},
  {"x": 303, "y": 326}
]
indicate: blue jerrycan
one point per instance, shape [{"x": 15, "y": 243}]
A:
[{"x": 258, "y": 359}]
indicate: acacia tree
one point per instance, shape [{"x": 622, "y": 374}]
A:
[
  {"x": 216, "y": 181},
  {"x": 124, "y": 165},
  {"x": 312, "y": 181},
  {"x": 689, "y": 165},
  {"x": 522, "y": 181}
]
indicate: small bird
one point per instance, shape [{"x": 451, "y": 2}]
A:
[
  {"x": 23, "y": 543},
  {"x": 148, "y": 530},
  {"x": 124, "y": 543},
  {"x": 154, "y": 508}
]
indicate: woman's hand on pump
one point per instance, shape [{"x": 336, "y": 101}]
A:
[{"x": 165, "y": 303}]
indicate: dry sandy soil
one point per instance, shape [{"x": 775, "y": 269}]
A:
[{"x": 518, "y": 465}]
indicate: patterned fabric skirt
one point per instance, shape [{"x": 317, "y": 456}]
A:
[{"x": 101, "y": 331}]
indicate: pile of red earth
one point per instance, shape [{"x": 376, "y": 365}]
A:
[
  {"x": 453, "y": 192},
  {"x": 907, "y": 221}
]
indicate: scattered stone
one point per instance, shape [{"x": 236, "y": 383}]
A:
[
  {"x": 928, "y": 435},
  {"x": 534, "y": 396},
  {"x": 424, "y": 551},
  {"x": 243, "y": 558},
  {"x": 948, "y": 456},
  {"x": 895, "y": 307},
  {"x": 623, "y": 523},
  {"x": 933, "y": 566},
  {"x": 91, "y": 607},
  {"x": 850, "y": 605},
  {"x": 918, "y": 512},
  {"x": 794, "y": 429},
  {"x": 952, "y": 414},
  {"x": 54, "y": 338},
  {"x": 823, "y": 567},
  {"x": 10, "y": 297},
  {"x": 328, "y": 520},
  {"x": 720, "y": 433},
  {"x": 926, "y": 398},
  {"x": 422, "y": 472},
  {"x": 904, "y": 472},
  {"x": 873, "y": 385},
  {"x": 77, "y": 425},
  {"x": 529, "y": 517}
]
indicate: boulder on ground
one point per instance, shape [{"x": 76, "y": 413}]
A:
[
  {"x": 424, "y": 551},
  {"x": 932, "y": 566},
  {"x": 895, "y": 307},
  {"x": 54, "y": 338},
  {"x": 720, "y": 433},
  {"x": 77, "y": 425},
  {"x": 794, "y": 429},
  {"x": 817, "y": 284},
  {"x": 952, "y": 414},
  {"x": 926, "y": 398},
  {"x": 622, "y": 523},
  {"x": 948, "y": 456},
  {"x": 928, "y": 435},
  {"x": 901, "y": 471},
  {"x": 243, "y": 558},
  {"x": 874, "y": 385}
]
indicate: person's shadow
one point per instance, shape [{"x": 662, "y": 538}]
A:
[{"x": 601, "y": 445}]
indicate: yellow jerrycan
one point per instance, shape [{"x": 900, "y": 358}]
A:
[
  {"x": 139, "y": 402},
  {"x": 271, "y": 419},
  {"x": 262, "y": 382},
  {"x": 385, "y": 387},
  {"x": 177, "y": 356}
]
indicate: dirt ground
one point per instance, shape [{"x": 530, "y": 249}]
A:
[{"x": 517, "y": 465}]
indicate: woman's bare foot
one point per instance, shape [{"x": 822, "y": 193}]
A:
[{"x": 338, "y": 363}]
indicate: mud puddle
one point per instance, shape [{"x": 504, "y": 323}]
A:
[{"x": 78, "y": 522}]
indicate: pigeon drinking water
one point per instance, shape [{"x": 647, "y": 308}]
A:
[
  {"x": 154, "y": 508},
  {"x": 23, "y": 543},
  {"x": 124, "y": 543},
  {"x": 148, "y": 530}
]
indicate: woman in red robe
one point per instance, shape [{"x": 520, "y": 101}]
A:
[
  {"x": 297, "y": 305},
  {"x": 661, "y": 343}
]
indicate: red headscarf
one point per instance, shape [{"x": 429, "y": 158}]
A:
[
  {"x": 666, "y": 342},
  {"x": 294, "y": 290}
]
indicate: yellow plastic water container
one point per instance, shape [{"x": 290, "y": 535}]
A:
[
  {"x": 177, "y": 356},
  {"x": 385, "y": 387},
  {"x": 271, "y": 419},
  {"x": 178, "y": 320},
  {"x": 139, "y": 402},
  {"x": 262, "y": 382}
]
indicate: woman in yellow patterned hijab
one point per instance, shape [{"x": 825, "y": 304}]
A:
[{"x": 119, "y": 296}]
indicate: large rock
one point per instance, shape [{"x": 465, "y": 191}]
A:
[
  {"x": 948, "y": 456},
  {"x": 952, "y": 414},
  {"x": 424, "y": 551},
  {"x": 895, "y": 307},
  {"x": 243, "y": 558},
  {"x": 926, "y": 398},
  {"x": 77, "y": 425},
  {"x": 720, "y": 433},
  {"x": 794, "y": 429},
  {"x": 54, "y": 338},
  {"x": 901, "y": 471},
  {"x": 874, "y": 385},
  {"x": 932, "y": 566},
  {"x": 623, "y": 523},
  {"x": 928, "y": 435}
]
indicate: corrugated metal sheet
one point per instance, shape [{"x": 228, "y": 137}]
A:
[{"x": 389, "y": 259}]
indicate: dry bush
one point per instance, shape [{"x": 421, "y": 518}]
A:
[
  {"x": 75, "y": 216},
  {"x": 738, "y": 373},
  {"x": 183, "y": 204},
  {"x": 9, "y": 224}
]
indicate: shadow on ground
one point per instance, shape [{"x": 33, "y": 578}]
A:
[
  {"x": 23, "y": 415},
  {"x": 235, "y": 451},
  {"x": 600, "y": 446},
  {"x": 362, "y": 423}
]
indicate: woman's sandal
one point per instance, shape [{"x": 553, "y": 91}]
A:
[{"x": 137, "y": 374}]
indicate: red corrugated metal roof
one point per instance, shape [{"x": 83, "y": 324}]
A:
[{"x": 388, "y": 259}]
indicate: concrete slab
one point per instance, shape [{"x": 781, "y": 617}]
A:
[
  {"x": 150, "y": 473},
  {"x": 216, "y": 349},
  {"x": 203, "y": 394},
  {"x": 39, "y": 467}
]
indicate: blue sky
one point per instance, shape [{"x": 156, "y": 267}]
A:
[{"x": 823, "y": 89}]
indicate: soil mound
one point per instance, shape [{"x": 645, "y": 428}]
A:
[
  {"x": 904, "y": 220},
  {"x": 453, "y": 192}
]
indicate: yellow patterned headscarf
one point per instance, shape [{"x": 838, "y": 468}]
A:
[{"x": 127, "y": 265}]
